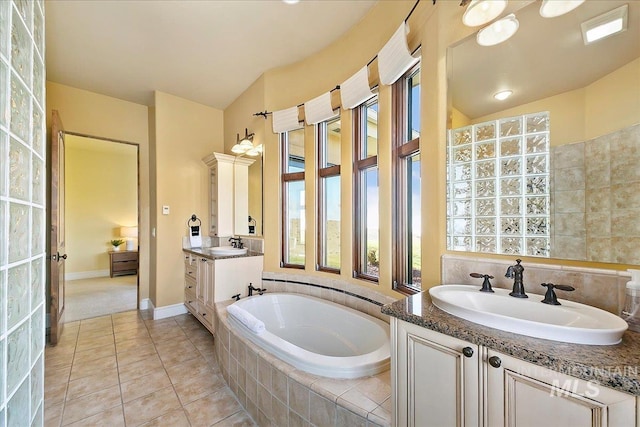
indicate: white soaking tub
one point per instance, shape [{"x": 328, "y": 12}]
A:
[{"x": 317, "y": 336}]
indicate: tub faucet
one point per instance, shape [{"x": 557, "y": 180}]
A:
[
  {"x": 260, "y": 291},
  {"x": 236, "y": 242},
  {"x": 515, "y": 272}
]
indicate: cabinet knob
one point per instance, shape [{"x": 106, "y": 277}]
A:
[
  {"x": 204, "y": 314},
  {"x": 189, "y": 286},
  {"x": 495, "y": 361},
  {"x": 467, "y": 351}
]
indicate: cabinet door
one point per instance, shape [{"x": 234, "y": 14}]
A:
[
  {"x": 522, "y": 394},
  {"x": 203, "y": 275},
  {"x": 436, "y": 378}
]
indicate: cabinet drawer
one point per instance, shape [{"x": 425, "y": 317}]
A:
[
  {"x": 125, "y": 256},
  {"x": 190, "y": 285},
  {"x": 125, "y": 266},
  {"x": 191, "y": 271}
]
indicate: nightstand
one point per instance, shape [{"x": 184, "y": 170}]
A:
[{"x": 123, "y": 263}]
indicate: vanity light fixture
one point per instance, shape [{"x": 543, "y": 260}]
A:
[
  {"x": 499, "y": 31},
  {"x": 245, "y": 145},
  {"x": 479, "y": 12},
  {"x": 605, "y": 25},
  {"x": 553, "y": 8},
  {"x": 503, "y": 94}
]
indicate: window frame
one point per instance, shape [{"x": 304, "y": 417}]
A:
[
  {"x": 360, "y": 165},
  {"x": 287, "y": 177},
  {"x": 403, "y": 149}
]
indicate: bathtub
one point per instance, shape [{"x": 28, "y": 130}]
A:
[{"x": 318, "y": 336}]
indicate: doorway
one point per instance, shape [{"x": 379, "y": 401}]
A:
[{"x": 101, "y": 208}]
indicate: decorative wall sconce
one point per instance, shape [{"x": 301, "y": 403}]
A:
[{"x": 245, "y": 145}]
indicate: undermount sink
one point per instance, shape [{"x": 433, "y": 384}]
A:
[
  {"x": 226, "y": 250},
  {"x": 570, "y": 322}
]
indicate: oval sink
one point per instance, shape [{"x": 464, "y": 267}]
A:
[
  {"x": 570, "y": 322},
  {"x": 226, "y": 250}
]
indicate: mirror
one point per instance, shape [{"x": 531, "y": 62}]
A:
[
  {"x": 255, "y": 195},
  {"x": 585, "y": 203}
]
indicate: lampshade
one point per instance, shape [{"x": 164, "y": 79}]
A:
[
  {"x": 499, "y": 31},
  {"x": 129, "y": 231},
  {"x": 553, "y": 8},
  {"x": 479, "y": 12}
]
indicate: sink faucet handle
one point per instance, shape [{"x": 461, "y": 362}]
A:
[
  {"x": 550, "y": 296},
  {"x": 486, "y": 285}
]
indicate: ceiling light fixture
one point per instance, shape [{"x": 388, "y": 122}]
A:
[
  {"x": 605, "y": 25},
  {"x": 479, "y": 12},
  {"x": 291, "y": 1},
  {"x": 553, "y": 8},
  {"x": 503, "y": 94},
  {"x": 498, "y": 31}
]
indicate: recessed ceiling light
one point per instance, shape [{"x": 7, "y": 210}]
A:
[
  {"x": 503, "y": 94},
  {"x": 605, "y": 25},
  {"x": 291, "y": 1},
  {"x": 479, "y": 12},
  {"x": 499, "y": 31},
  {"x": 553, "y": 8}
]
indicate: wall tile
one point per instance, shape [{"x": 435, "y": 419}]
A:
[
  {"x": 20, "y": 109},
  {"x": 5, "y": 27},
  {"x": 37, "y": 230},
  {"x": 37, "y": 180},
  {"x": 37, "y": 338},
  {"x": 21, "y": 49},
  {"x": 37, "y": 282},
  {"x": 37, "y": 383},
  {"x": 18, "y": 232},
  {"x": 4, "y": 83},
  {"x": 18, "y": 407},
  {"x": 19, "y": 170},
  {"x": 18, "y": 297},
  {"x": 17, "y": 356}
]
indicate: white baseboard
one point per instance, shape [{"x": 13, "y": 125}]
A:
[
  {"x": 168, "y": 311},
  {"x": 86, "y": 274},
  {"x": 145, "y": 304}
]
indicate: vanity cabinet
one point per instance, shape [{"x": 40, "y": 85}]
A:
[
  {"x": 441, "y": 380},
  {"x": 208, "y": 281},
  {"x": 228, "y": 194}
]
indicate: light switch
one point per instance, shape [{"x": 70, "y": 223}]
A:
[{"x": 165, "y": 210}]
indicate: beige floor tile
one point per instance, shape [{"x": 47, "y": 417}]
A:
[
  {"x": 239, "y": 419},
  {"x": 90, "y": 367},
  {"x": 54, "y": 394},
  {"x": 135, "y": 354},
  {"x": 113, "y": 417},
  {"x": 91, "y": 383},
  {"x": 178, "y": 355},
  {"x": 192, "y": 368},
  {"x": 57, "y": 376},
  {"x": 150, "y": 406},
  {"x": 212, "y": 408},
  {"x": 197, "y": 387},
  {"x": 53, "y": 415},
  {"x": 89, "y": 334},
  {"x": 59, "y": 361},
  {"x": 145, "y": 385},
  {"x": 103, "y": 322},
  {"x": 175, "y": 418},
  {"x": 95, "y": 353},
  {"x": 132, "y": 344},
  {"x": 121, "y": 326},
  {"x": 91, "y": 404},
  {"x": 92, "y": 343},
  {"x": 146, "y": 366},
  {"x": 56, "y": 351}
]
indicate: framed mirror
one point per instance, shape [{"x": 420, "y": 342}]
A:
[{"x": 554, "y": 169}]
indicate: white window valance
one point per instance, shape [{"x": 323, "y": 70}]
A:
[
  {"x": 355, "y": 90},
  {"x": 285, "y": 120},
  {"x": 318, "y": 109},
  {"x": 395, "y": 59}
]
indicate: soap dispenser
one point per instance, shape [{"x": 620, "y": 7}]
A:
[{"x": 631, "y": 309}]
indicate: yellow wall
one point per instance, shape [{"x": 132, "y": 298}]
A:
[
  {"x": 102, "y": 116},
  {"x": 185, "y": 132},
  {"x": 101, "y": 196}
]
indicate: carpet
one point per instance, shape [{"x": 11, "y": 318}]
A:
[{"x": 87, "y": 298}]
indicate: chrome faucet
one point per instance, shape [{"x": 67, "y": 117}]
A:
[
  {"x": 515, "y": 272},
  {"x": 260, "y": 291},
  {"x": 236, "y": 242}
]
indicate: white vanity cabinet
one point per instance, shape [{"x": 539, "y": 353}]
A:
[
  {"x": 228, "y": 194},
  {"x": 440, "y": 380}
]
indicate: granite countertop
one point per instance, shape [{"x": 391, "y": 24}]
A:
[
  {"x": 204, "y": 252},
  {"x": 616, "y": 366}
]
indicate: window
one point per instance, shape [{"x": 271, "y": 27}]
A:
[
  {"x": 293, "y": 199},
  {"x": 366, "y": 224},
  {"x": 407, "y": 186},
  {"x": 328, "y": 136}
]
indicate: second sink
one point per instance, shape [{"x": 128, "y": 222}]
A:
[
  {"x": 570, "y": 322},
  {"x": 226, "y": 250}
]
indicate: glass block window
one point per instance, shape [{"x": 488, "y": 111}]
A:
[
  {"x": 22, "y": 212},
  {"x": 498, "y": 186}
]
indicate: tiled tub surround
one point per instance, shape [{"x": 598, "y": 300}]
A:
[
  {"x": 275, "y": 393},
  {"x": 596, "y": 198},
  {"x": 600, "y": 288},
  {"x": 615, "y": 366}
]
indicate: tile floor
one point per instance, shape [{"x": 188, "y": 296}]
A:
[{"x": 128, "y": 370}]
